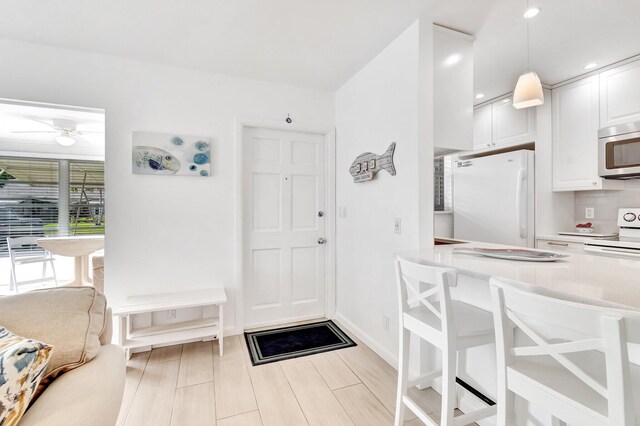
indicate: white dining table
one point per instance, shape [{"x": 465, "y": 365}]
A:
[{"x": 79, "y": 247}]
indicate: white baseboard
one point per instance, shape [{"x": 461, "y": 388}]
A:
[
  {"x": 232, "y": 331},
  {"x": 390, "y": 358},
  {"x": 283, "y": 321}
]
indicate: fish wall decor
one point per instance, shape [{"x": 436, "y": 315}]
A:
[
  {"x": 170, "y": 154},
  {"x": 366, "y": 165},
  {"x": 148, "y": 160}
]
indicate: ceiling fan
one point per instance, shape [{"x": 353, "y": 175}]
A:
[{"x": 66, "y": 130}]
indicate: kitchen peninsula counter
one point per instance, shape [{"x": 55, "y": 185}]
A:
[{"x": 592, "y": 276}]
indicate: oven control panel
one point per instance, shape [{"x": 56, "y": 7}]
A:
[{"x": 629, "y": 218}]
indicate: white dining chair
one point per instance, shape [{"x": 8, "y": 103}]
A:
[
  {"x": 568, "y": 358},
  {"x": 24, "y": 251},
  {"x": 449, "y": 325}
]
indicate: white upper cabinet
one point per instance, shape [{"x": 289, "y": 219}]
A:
[
  {"x": 512, "y": 126},
  {"x": 482, "y": 127},
  {"x": 500, "y": 125},
  {"x": 453, "y": 90},
  {"x": 620, "y": 95},
  {"x": 575, "y": 137}
]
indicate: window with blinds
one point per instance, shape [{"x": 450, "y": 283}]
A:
[
  {"x": 443, "y": 180},
  {"x": 45, "y": 197}
]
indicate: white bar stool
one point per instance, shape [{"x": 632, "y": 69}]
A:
[
  {"x": 448, "y": 324},
  {"x": 592, "y": 386}
]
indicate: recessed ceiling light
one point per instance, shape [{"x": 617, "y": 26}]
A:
[
  {"x": 452, "y": 59},
  {"x": 530, "y": 13},
  {"x": 480, "y": 96},
  {"x": 590, "y": 66}
]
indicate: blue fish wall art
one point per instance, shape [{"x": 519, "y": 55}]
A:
[{"x": 171, "y": 154}]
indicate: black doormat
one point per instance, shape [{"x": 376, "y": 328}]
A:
[{"x": 292, "y": 342}]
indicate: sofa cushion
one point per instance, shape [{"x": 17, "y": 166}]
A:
[
  {"x": 22, "y": 366},
  {"x": 71, "y": 319},
  {"x": 86, "y": 396},
  {"x": 97, "y": 262}
]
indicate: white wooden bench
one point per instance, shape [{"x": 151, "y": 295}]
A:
[{"x": 176, "y": 332}]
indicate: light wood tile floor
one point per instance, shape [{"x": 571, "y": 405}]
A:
[{"x": 191, "y": 385}]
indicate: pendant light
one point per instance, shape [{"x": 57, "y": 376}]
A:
[{"x": 528, "y": 92}]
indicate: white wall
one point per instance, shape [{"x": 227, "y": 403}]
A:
[
  {"x": 443, "y": 225},
  {"x": 163, "y": 233},
  {"x": 379, "y": 105},
  {"x": 606, "y": 205}
]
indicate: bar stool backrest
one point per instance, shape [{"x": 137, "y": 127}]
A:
[
  {"x": 602, "y": 329},
  {"x": 417, "y": 283}
]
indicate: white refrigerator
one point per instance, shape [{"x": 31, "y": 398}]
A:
[{"x": 493, "y": 199}]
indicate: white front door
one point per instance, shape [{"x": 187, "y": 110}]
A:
[{"x": 284, "y": 199}]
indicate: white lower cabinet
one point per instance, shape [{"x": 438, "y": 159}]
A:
[
  {"x": 560, "y": 246},
  {"x": 576, "y": 110}
]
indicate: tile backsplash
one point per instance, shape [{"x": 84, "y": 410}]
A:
[{"x": 606, "y": 204}]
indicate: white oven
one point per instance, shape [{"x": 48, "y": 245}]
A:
[
  {"x": 627, "y": 243},
  {"x": 619, "y": 151}
]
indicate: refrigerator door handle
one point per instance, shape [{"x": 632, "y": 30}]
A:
[{"x": 522, "y": 227}]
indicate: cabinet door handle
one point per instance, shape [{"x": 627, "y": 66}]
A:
[{"x": 551, "y": 243}]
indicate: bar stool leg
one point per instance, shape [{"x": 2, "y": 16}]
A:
[
  {"x": 448, "y": 386},
  {"x": 403, "y": 375},
  {"x": 506, "y": 401}
]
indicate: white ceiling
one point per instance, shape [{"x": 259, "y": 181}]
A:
[
  {"x": 19, "y": 116},
  {"x": 310, "y": 43},
  {"x": 565, "y": 36},
  {"x": 16, "y": 117},
  {"x": 320, "y": 44}
]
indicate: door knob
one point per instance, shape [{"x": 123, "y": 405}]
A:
[
  {"x": 321, "y": 241},
  {"x": 320, "y": 213}
]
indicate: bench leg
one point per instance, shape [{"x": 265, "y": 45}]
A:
[{"x": 221, "y": 332}]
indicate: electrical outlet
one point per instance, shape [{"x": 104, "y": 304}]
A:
[
  {"x": 589, "y": 213},
  {"x": 397, "y": 225},
  {"x": 171, "y": 314},
  {"x": 385, "y": 323}
]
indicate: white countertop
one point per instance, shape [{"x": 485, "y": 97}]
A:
[{"x": 592, "y": 276}]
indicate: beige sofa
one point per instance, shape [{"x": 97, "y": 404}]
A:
[
  {"x": 90, "y": 394},
  {"x": 87, "y": 395}
]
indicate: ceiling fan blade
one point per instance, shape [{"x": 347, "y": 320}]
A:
[
  {"x": 87, "y": 132},
  {"x": 36, "y": 131},
  {"x": 53, "y": 126}
]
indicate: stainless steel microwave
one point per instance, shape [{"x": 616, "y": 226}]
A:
[{"x": 619, "y": 151}]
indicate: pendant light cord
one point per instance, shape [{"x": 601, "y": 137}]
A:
[{"x": 528, "y": 42}]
